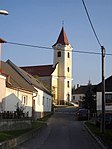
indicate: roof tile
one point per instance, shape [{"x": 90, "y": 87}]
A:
[{"x": 45, "y": 70}]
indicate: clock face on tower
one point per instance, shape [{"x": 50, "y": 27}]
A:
[{"x": 59, "y": 46}]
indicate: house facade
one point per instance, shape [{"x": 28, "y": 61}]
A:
[
  {"x": 2, "y": 88},
  {"x": 79, "y": 93},
  {"x": 108, "y": 96},
  {"x": 21, "y": 89},
  {"x": 57, "y": 77}
]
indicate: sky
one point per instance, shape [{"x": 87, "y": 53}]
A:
[{"x": 39, "y": 22}]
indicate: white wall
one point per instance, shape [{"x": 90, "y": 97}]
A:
[
  {"x": 43, "y": 103},
  {"x": 14, "y": 96},
  {"x": 78, "y": 97},
  {"x": 2, "y": 86},
  {"x": 99, "y": 102},
  {"x": 2, "y": 89}
]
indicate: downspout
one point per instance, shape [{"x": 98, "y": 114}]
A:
[{"x": 34, "y": 94}]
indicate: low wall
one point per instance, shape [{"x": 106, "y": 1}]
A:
[
  {"x": 16, "y": 141},
  {"x": 14, "y": 124},
  {"x": 41, "y": 114}
]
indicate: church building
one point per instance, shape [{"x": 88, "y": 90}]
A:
[{"x": 58, "y": 76}]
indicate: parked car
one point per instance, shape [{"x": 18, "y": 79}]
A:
[
  {"x": 76, "y": 105},
  {"x": 83, "y": 114},
  {"x": 108, "y": 120}
]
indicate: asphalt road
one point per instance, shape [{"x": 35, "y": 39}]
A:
[{"x": 63, "y": 132}]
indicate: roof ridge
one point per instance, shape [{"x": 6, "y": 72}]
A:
[{"x": 16, "y": 68}]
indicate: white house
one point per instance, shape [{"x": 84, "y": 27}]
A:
[
  {"x": 20, "y": 88},
  {"x": 2, "y": 87},
  {"x": 108, "y": 96},
  {"x": 79, "y": 93}
]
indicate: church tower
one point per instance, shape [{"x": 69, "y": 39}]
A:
[{"x": 63, "y": 58}]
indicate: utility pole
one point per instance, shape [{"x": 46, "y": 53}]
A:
[{"x": 103, "y": 91}]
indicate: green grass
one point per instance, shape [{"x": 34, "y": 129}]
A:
[
  {"x": 105, "y": 137},
  {"x": 6, "y": 135}
]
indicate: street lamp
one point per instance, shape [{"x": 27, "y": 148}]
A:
[{"x": 4, "y": 12}]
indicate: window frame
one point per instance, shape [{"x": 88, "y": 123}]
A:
[
  {"x": 108, "y": 100},
  {"x": 68, "y": 54},
  {"x": 68, "y": 84},
  {"x": 24, "y": 99},
  {"x": 59, "y": 54}
]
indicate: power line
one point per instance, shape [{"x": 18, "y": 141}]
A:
[
  {"x": 85, "y": 7},
  {"x": 50, "y": 48},
  {"x": 27, "y": 45}
]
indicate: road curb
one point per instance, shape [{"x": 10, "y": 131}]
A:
[
  {"x": 16, "y": 141},
  {"x": 96, "y": 139}
]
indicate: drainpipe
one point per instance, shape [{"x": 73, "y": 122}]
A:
[{"x": 34, "y": 94}]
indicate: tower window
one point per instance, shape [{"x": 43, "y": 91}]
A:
[
  {"x": 59, "y": 54},
  {"x": 68, "y": 69},
  {"x": 68, "y": 55},
  {"x": 68, "y": 85}
]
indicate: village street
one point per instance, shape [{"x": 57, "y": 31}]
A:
[{"x": 63, "y": 132}]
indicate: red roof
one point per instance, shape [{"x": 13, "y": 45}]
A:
[
  {"x": 62, "y": 39},
  {"x": 2, "y": 41},
  {"x": 44, "y": 70}
]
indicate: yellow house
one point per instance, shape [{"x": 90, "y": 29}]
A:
[{"x": 58, "y": 76}]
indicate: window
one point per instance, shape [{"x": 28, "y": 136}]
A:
[
  {"x": 59, "y": 54},
  {"x": 80, "y": 97},
  {"x": 108, "y": 99},
  {"x": 68, "y": 97},
  {"x": 24, "y": 99},
  {"x": 68, "y": 85},
  {"x": 68, "y": 69},
  {"x": 47, "y": 102},
  {"x": 68, "y": 55},
  {"x": 73, "y": 97}
]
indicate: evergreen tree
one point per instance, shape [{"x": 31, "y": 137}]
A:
[{"x": 89, "y": 101}]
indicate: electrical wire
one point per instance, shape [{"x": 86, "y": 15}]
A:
[
  {"x": 50, "y": 48},
  {"x": 27, "y": 45},
  {"x": 96, "y": 36}
]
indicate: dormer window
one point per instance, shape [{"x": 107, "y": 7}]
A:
[{"x": 59, "y": 54}]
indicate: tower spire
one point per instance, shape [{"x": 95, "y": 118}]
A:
[
  {"x": 62, "y": 39},
  {"x": 63, "y": 23}
]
